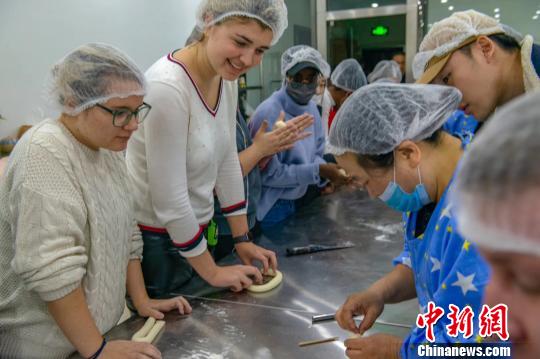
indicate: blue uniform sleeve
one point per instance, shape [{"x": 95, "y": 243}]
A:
[
  {"x": 460, "y": 124},
  {"x": 461, "y": 281},
  {"x": 404, "y": 257}
]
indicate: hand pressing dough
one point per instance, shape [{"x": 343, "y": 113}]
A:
[
  {"x": 280, "y": 124},
  {"x": 149, "y": 331},
  {"x": 270, "y": 281},
  {"x": 343, "y": 172}
]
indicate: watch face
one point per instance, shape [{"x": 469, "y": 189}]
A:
[{"x": 241, "y": 239}]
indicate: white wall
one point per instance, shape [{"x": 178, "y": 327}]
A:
[{"x": 34, "y": 34}]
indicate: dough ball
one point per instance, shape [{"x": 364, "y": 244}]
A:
[{"x": 280, "y": 124}]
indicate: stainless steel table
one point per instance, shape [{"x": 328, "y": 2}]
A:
[{"x": 244, "y": 325}]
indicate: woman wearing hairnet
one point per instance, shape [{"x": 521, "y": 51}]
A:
[
  {"x": 458, "y": 124},
  {"x": 252, "y": 153},
  {"x": 347, "y": 77},
  {"x": 387, "y": 138},
  {"x": 498, "y": 196},
  {"x": 488, "y": 62},
  {"x": 187, "y": 149},
  {"x": 69, "y": 245},
  {"x": 288, "y": 174}
]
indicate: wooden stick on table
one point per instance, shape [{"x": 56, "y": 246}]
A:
[{"x": 317, "y": 341}]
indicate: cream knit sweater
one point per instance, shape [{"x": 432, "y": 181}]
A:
[{"x": 66, "y": 219}]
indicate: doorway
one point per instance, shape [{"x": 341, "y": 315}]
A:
[{"x": 368, "y": 40}]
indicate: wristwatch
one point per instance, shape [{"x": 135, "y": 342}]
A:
[{"x": 246, "y": 237}]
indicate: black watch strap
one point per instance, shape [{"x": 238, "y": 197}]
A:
[{"x": 242, "y": 239}]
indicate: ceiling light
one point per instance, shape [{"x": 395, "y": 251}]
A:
[
  {"x": 535, "y": 17},
  {"x": 450, "y": 8},
  {"x": 374, "y": 5},
  {"x": 537, "y": 12},
  {"x": 496, "y": 9},
  {"x": 497, "y": 16},
  {"x": 444, "y": 1}
]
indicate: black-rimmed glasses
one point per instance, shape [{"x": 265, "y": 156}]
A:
[{"x": 122, "y": 117}]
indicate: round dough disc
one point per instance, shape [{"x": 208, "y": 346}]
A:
[
  {"x": 274, "y": 282},
  {"x": 343, "y": 172},
  {"x": 280, "y": 124}
]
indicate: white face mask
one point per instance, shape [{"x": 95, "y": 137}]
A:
[
  {"x": 325, "y": 96},
  {"x": 318, "y": 99},
  {"x": 329, "y": 95}
]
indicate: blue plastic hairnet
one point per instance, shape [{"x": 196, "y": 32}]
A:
[
  {"x": 302, "y": 53},
  {"x": 94, "y": 73},
  {"x": 385, "y": 70},
  {"x": 272, "y": 13},
  {"x": 498, "y": 186},
  {"x": 376, "y": 118},
  {"x": 348, "y": 75}
]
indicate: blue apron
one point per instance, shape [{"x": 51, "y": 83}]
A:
[{"x": 447, "y": 270}]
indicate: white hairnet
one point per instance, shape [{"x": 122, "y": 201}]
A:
[
  {"x": 376, "y": 118},
  {"x": 302, "y": 53},
  {"x": 196, "y": 35},
  {"x": 94, "y": 73},
  {"x": 272, "y": 13},
  {"x": 510, "y": 31},
  {"x": 498, "y": 187},
  {"x": 385, "y": 70},
  {"x": 451, "y": 33},
  {"x": 348, "y": 75}
]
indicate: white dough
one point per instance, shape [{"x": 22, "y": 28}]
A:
[
  {"x": 280, "y": 124},
  {"x": 278, "y": 277},
  {"x": 149, "y": 331},
  {"x": 153, "y": 332},
  {"x": 145, "y": 329},
  {"x": 343, "y": 172}
]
